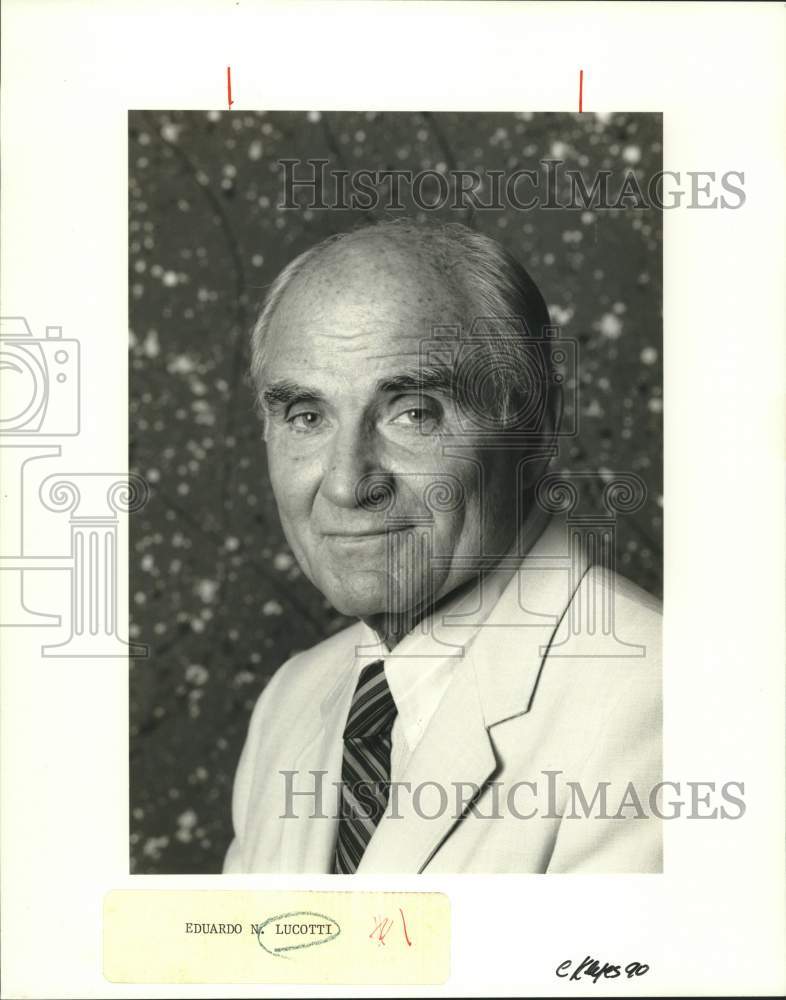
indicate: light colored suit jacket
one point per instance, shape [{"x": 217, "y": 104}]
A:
[{"x": 560, "y": 689}]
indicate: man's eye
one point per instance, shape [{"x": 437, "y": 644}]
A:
[
  {"x": 422, "y": 418},
  {"x": 305, "y": 420}
]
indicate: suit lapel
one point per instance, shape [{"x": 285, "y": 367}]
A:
[
  {"x": 496, "y": 681},
  {"x": 509, "y": 650},
  {"x": 425, "y": 812},
  {"x": 309, "y": 837},
  {"x": 309, "y": 841}
]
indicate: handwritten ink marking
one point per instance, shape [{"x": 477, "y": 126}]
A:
[
  {"x": 404, "y": 925},
  {"x": 229, "y": 88},
  {"x": 306, "y": 932},
  {"x": 581, "y": 89},
  {"x": 590, "y": 968},
  {"x": 381, "y": 928}
]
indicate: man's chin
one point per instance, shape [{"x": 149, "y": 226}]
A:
[{"x": 366, "y": 595}]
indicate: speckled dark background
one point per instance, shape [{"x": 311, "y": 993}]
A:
[{"x": 214, "y": 591}]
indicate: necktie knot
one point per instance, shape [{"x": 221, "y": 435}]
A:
[{"x": 373, "y": 710}]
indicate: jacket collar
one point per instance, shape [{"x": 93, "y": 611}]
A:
[
  {"x": 496, "y": 682},
  {"x": 523, "y": 619},
  {"x": 509, "y": 649}
]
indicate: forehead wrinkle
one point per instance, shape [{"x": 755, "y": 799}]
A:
[
  {"x": 343, "y": 335},
  {"x": 348, "y": 302},
  {"x": 412, "y": 279},
  {"x": 346, "y": 343}
]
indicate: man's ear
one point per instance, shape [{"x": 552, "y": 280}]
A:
[
  {"x": 553, "y": 414},
  {"x": 543, "y": 448}
]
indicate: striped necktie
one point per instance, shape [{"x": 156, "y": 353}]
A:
[{"x": 365, "y": 771}]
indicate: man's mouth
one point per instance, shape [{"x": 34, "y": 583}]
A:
[{"x": 366, "y": 535}]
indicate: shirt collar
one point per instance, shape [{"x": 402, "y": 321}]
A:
[{"x": 419, "y": 669}]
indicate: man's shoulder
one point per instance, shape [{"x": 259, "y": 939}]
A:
[
  {"x": 338, "y": 648},
  {"x": 317, "y": 668},
  {"x": 607, "y": 605},
  {"x": 289, "y": 704},
  {"x": 629, "y": 600},
  {"x": 600, "y": 592},
  {"x": 607, "y": 644},
  {"x": 602, "y": 671}
]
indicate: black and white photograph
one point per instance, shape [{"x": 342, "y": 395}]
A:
[
  {"x": 391, "y": 529},
  {"x": 395, "y": 388}
]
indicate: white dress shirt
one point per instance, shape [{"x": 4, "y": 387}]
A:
[
  {"x": 419, "y": 668},
  {"x": 541, "y": 689}
]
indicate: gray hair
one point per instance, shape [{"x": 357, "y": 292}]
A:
[{"x": 510, "y": 314}]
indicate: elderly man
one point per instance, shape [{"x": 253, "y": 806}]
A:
[{"x": 477, "y": 718}]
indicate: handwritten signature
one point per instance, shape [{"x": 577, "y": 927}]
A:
[{"x": 591, "y": 968}]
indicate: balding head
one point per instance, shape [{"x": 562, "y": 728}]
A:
[
  {"x": 415, "y": 265},
  {"x": 387, "y": 480}
]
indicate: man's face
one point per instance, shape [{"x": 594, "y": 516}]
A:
[{"x": 348, "y": 409}]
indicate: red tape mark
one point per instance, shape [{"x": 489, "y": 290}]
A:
[
  {"x": 229, "y": 88},
  {"x": 581, "y": 89}
]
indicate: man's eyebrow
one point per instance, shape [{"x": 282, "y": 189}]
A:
[
  {"x": 284, "y": 393},
  {"x": 425, "y": 379}
]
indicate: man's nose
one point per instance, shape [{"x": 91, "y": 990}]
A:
[{"x": 353, "y": 468}]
